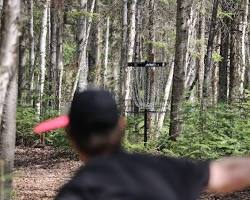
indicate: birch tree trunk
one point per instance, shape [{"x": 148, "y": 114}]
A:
[
  {"x": 43, "y": 57},
  {"x": 243, "y": 47},
  {"x": 53, "y": 37},
  {"x": 31, "y": 47},
  {"x": 106, "y": 54},
  {"x": 131, "y": 42},
  {"x": 238, "y": 55},
  {"x": 179, "y": 70},
  {"x": 59, "y": 56},
  {"x": 82, "y": 74},
  {"x": 167, "y": 93},
  {"x": 123, "y": 59},
  {"x": 8, "y": 88}
]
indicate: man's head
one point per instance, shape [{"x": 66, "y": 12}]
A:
[{"x": 95, "y": 125}]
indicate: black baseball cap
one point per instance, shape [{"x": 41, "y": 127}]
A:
[{"x": 93, "y": 111}]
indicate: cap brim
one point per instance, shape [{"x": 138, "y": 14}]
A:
[{"x": 52, "y": 124}]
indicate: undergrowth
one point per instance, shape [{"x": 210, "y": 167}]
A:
[{"x": 220, "y": 131}]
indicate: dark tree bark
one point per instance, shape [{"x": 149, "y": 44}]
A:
[
  {"x": 224, "y": 52},
  {"x": 179, "y": 71},
  {"x": 208, "y": 57},
  {"x": 21, "y": 65}
]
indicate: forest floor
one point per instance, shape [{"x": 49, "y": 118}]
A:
[{"x": 40, "y": 172}]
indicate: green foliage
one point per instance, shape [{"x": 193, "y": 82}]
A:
[
  {"x": 222, "y": 14},
  {"x": 69, "y": 50},
  {"x": 77, "y": 14},
  {"x": 221, "y": 131},
  {"x": 25, "y": 121},
  {"x": 217, "y": 57}
]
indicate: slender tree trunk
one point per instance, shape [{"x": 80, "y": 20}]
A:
[
  {"x": 8, "y": 89},
  {"x": 94, "y": 49},
  {"x": 179, "y": 71},
  {"x": 123, "y": 59},
  {"x": 208, "y": 59},
  {"x": 243, "y": 47},
  {"x": 131, "y": 42},
  {"x": 232, "y": 63},
  {"x": 59, "y": 56},
  {"x": 22, "y": 62},
  {"x": 106, "y": 54},
  {"x": 98, "y": 48},
  {"x": 201, "y": 49},
  {"x": 53, "y": 51},
  {"x": 167, "y": 93},
  {"x": 223, "y": 65},
  {"x": 83, "y": 67},
  {"x": 43, "y": 62},
  {"x": 31, "y": 48}
]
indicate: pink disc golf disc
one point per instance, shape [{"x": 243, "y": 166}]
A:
[{"x": 52, "y": 124}]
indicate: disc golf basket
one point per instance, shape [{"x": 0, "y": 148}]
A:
[{"x": 147, "y": 89}]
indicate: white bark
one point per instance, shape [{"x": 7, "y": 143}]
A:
[
  {"x": 130, "y": 53},
  {"x": 190, "y": 69},
  {"x": 60, "y": 66},
  {"x": 8, "y": 89},
  {"x": 243, "y": 48},
  {"x": 8, "y": 49},
  {"x": 43, "y": 56},
  {"x": 32, "y": 44},
  {"x": 1, "y": 6},
  {"x": 166, "y": 99},
  {"x": 106, "y": 55},
  {"x": 82, "y": 80},
  {"x": 123, "y": 58}
]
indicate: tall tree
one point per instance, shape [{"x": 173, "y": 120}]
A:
[
  {"x": 8, "y": 88},
  {"x": 123, "y": 58},
  {"x": 52, "y": 27},
  {"x": 243, "y": 46},
  {"x": 131, "y": 42},
  {"x": 31, "y": 47},
  {"x": 42, "y": 74},
  {"x": 179, "y": 69},
  {"x": 59, "y": 54},
  {"x": 201, "y": 48},
  {"x": 81, "y": 80},
  {"x": 224, "y": 52},
  {"x": 208, "y": 57},
  {"x": 106, "y": 56}
]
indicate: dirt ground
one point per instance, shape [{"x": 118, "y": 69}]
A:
[{"x": 40, "y": 172}]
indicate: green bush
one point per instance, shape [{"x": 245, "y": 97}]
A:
[
  {"x": 221, "y": 131},
  {"x": 25, "y": 120}
]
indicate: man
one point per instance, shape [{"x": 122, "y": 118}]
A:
[{"x": 96, "y": 130}]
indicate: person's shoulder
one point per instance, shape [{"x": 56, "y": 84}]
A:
[{"x": 73, "y": 188}]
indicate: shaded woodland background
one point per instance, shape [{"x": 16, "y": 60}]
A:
[{"x": 51, "y": 48}]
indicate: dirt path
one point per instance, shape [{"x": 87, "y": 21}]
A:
[{"x": 39, "y": 173}]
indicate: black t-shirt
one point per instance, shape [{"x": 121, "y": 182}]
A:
[{"x": 124, "y": 176}]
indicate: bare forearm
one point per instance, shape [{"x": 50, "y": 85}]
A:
[{"x": 229, "y": 174}]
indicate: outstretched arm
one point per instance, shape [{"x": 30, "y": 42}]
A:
[{"x": 229, "y": 175}]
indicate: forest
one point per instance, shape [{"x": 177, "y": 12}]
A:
[{"x": 178, "y": 69}]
